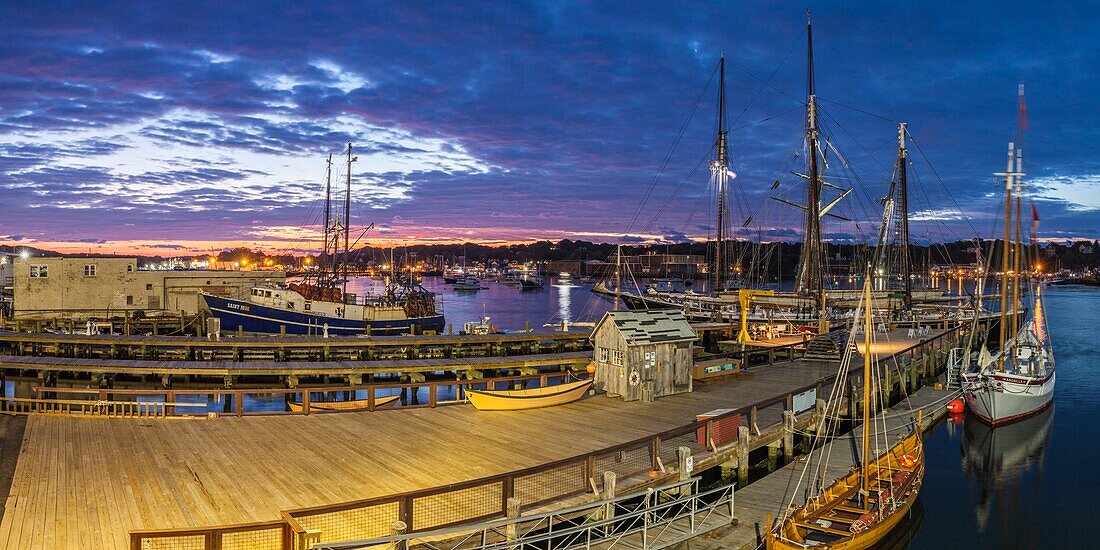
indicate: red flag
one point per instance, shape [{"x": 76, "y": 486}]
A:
[
  {"x": 1034, "y": 222},
  {"x": 1022, "y": 109}
]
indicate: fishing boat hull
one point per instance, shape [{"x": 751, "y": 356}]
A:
[
  {"x": 514, "y": 400},
  {"x": 345, "y": 406},
  {"x": 252, "y": 317},
  {"x": 792, "y": 533},
  {"x": 1003, "y": 398}
]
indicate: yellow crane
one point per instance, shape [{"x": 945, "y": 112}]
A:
[{"x": 745, "y": 297}]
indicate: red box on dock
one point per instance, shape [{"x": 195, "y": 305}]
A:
[{"x": 724, "y": 431}]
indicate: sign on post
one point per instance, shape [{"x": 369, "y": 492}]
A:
[{"x": 804, "y": 401}]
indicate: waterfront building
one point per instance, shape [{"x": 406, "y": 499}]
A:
[{"x": 84, "y": 287}]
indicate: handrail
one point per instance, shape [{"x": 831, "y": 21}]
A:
[
  {"x": 371, "y": 390},
  {"x": 406, "y": 500}
]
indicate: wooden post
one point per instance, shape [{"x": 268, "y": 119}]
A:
[
  {"x": 609, "y": 494},
  {"x": 788, "y": 435},
  {"x": 742, "y": 456},
  {"x": 512, "y": 511},
  {"x": 397, "y": 529}
]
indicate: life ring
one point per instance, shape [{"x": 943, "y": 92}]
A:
[
  {"x": 908, "y": 460},
  {"x": 634, "y": 378}
]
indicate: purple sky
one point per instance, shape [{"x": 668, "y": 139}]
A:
[{"x": 161, "y": 126}]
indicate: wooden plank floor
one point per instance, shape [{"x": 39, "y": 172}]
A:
[{"x": 80, "y": 480}]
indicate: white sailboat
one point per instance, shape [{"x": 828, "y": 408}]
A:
[{"x": 1019, "y": 380}]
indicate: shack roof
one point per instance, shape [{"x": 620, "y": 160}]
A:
[{"x": 644, "y": 327}]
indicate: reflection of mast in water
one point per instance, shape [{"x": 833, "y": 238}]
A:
[{"x": 998, "y": 457}]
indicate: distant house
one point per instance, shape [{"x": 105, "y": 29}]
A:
[{"x": 643, "y": 354}]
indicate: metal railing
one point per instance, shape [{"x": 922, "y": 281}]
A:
[
  {"x": 73, "y": 407},
  {"x": 486, "y": 498},
  {"x": 658, "y": 518}
]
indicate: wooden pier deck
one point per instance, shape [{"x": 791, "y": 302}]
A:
[{"x": 87, "y": 482}]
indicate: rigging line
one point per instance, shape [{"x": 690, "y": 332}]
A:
[
  {"x": 766, "y": 83},
  {"x": 796, "y": 42},
  {"x": 668, "y": 156},
  {"x": 763, "y": 120},
  {"x": 680, "y": 186},
  {"x": 858, "y": 110},
  {"x": 940, "y": 179}
]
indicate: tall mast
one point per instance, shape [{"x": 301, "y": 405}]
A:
[
  {"x": 810, "y": 279},
  {"x": 903, "y": 205},
  {"x": 720, "y": 175},
  {"x": 1017, "y": 248},
  {"x": 323, "y": 268},
  {"x": 867, "y": 329},
  {"x": 347, "y": 219},
  {"x": 1005, "y": 251}
]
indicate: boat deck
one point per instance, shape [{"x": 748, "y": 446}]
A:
[{"x": 86, "y": 482}]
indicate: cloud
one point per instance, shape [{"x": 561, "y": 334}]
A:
[{"x": 517, "y": 120}]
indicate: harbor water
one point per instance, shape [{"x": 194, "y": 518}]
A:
[{"x": 1032, "y": 484}]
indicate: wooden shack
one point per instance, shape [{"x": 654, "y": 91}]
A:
[{"x": 643, "y": 354}]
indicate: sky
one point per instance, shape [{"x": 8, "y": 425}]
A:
[{"x": 175, "y": 128}]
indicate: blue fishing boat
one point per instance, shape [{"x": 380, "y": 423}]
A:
[{"x": 320, "y": 304}]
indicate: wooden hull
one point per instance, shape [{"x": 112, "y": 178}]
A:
[
  {"x": 353, "y": 405},
  {"x": 514, "y": 400},
  {"x": 806, "y": 527}
]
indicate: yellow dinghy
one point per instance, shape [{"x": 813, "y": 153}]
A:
[
  {"x": 350, "y": 405},
  {"x": 514, "y": 400}
]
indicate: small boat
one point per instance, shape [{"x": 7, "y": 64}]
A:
[
  {"x": 467, "y": 284},
  {"x": 514, "y": 400},
  {"x": 350, "y": 405},
  {"x": 482, "y": 326},
  {"x": 509, "y": 279},
  {"x": 531, "y": 282}
]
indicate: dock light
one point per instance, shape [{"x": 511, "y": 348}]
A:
[
  {"x": 1038, "y": 267},
  {"x": 244, "y": 261},
  {"x": 309, "y": 261}
]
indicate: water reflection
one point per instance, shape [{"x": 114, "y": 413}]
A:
[
  {"x": 999, "y": 460},
  {"x": 565, "y": 295}
]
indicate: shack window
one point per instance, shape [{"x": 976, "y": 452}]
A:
[
  {"x": 39, "y": 271},
  {"x": 605, "y": 355},
  {"x": 617, "y": 358},
  {"x": 89, "y": 270}
]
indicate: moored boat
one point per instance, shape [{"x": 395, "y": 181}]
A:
[
  {"x": 1018, "y": 381},
  {"x": 533, "y": 398},
  {"x": 349, "y": 405}
]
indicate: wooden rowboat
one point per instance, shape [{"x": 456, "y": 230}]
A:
[
  {"x": 841, "y": 519},
  {"x": 350, "y": 405},
  {"x": 514, "y": 400}
]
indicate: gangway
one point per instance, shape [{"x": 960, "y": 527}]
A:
[{"x": 658, "y": 518}]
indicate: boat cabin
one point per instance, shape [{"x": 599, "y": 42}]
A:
[{"x": 643, "y": 354}]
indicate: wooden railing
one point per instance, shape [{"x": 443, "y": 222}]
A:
[
  {"x": 233, "y": 400},
  {"x": 486, "y": 498}
]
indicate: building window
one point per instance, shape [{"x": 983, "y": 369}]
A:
[
  {"x": 129, "y": 267},
  {"x": 89, "y": 270},
  {"x": 129, "y": 300},
  {"x": 39, "y": 271},
  {"x": 617, "y": 358},
  {"x": 605, "y": 355},
  {"x": 148, "y": 286}
]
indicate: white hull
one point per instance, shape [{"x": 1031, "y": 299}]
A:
[{"x": 999, "y": 398}]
